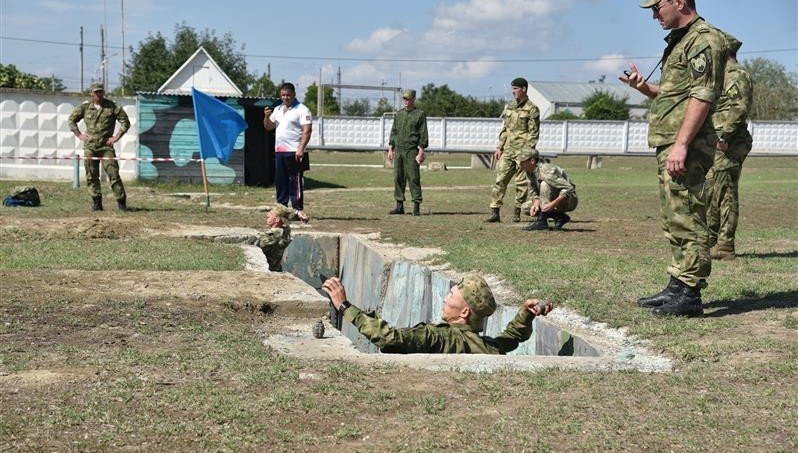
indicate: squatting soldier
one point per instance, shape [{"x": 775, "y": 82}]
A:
[
  {"x": 550, "y": 183},
  {"x": 408, "y": 140},
  {"x": 520, "y": 131},
  {"x": 682, "y": 132},
  {"x": 734, "y": 144},
  {"x": 276, "y": 239},
  {"x": 100, "y": 116},
  {"x": 465, "y": 310}
]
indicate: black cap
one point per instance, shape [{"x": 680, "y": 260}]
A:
[{"x": 519, "y": 82}]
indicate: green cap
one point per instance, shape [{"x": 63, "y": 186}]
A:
[
  {"x": 528, "y": 153},
  {"x": 409, "y": 94},
  {"x": 282, "y": 211},
  {"x": 477, "y": 295},
  {"x": 732, "y": 44},
  {"x": 96, "y": 87},
  {"x": 519, "y": 82},
  {"x": 649, "y": 3}
]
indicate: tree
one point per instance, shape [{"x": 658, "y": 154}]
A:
[
  {"x": 775, "y": 90},
  {"x": 603, "y": 105},
  {"x": 443, "y": 101},
  {"x": 356, "y": 107},
  {"x": 155, "y": 60},
  {"x": 563, "y": 115},
  {"x": 383, "y": 107},
  {"x": 11, "y": 77},
  {"x": 330, "y": 102},
  {"x": 263, "y": 86}
]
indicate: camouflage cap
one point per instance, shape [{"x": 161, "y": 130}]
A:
[
  {"x": 528, "y": 153},
  {"x": 649, "y": 3},
  {"x": 409, "y": 94},
  {"x": 732, "y": 44},
  {"x": 96, "y": 87},
  {"x": 477, "y": 295},
  {"x": 519, "y": 82},
  {"x": 282, "y": 211}
]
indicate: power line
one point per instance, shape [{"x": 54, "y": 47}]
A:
[{"x": 414, "y": 60}]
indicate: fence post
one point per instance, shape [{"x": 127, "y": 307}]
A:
[
  {"x": 443, "y": 133},
  {"x": 625, "y": 146},
  {"x": 383, "y": 145},
  {"x": 565, "y": 136},
  {"x": 76, "y": 173}
]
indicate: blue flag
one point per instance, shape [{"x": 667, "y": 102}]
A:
[{"x": 218, "y": 126}]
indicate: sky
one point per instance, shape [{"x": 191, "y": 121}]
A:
[{"x": 475, "y": 46}]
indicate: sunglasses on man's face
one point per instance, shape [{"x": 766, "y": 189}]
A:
[{"x": 657, "y": 7}]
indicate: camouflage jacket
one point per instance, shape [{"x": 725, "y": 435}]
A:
[
  {"x": 409, "y": 130},
  {"x": 273, "y": 244},
  {"x": 439, "y": 338},
  {"x": 100, "y": 123},
  {"x": 732, "y": 112},
  {"x": 521, "y": 127},
  {"x": 552, "y": 175},
  {"x": 693, "y": 65}
]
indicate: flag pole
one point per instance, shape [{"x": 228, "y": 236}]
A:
[{"x": 205, "y": 183}]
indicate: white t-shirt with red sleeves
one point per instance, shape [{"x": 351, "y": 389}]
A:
[{"x": 289, "y": 126}]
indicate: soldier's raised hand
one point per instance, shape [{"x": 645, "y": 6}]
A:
[
  {"x": 335, "y": 289},
  {"x": 538, "y": 307},
  {"x": 633, "y": 77}
]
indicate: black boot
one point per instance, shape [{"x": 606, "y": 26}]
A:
[
  {"x": 399, "y": 209},
  {"x": 686, "y": 303},
  {"x": 561, "y": 219},
  {"x": 661, "y": 297},
  {"x": 97, "y": 203},
  {"x": 539, "y": 224},
  {"x": 517, "y": 215},
  {"x": 416, "y": 209},
  {"x": 122, "y": 205},
  {"x": 494, "y": 216}
]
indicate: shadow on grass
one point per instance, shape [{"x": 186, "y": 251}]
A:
[
  {"x": 456, "y": 213},
  {"x": 793, "y": 254},
  {"x": 140, "y": 209},
  {"x": 785, "y": 299},
  {"x": 311, "y": 184},
  {"x": 344, "y": 218}
]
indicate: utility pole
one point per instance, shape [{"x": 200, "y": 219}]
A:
[
  {"x": 123, "y": 43},
  {"x": 102, "y": 56},
  {"x": 269, "y": 71},
  {"x": 340, "y": 101},
  {"x": 319, "y": 97},
  {"x": 81, "y": 58}
]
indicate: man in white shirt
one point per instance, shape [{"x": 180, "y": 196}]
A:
[{"x": 292, "y": 123}]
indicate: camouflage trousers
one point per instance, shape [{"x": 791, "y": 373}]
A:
[
  {"x": 548, "y": 194},
  {"x": 509, "y": 168},
  {"x": 111, "y": 168},
  {"x": 406, "y": 170},
  {"x": 723, "y": 206},
  {"x": 683, "y": 213}
]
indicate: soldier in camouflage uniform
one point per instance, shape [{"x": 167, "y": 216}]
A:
[
  {"x": 520, "y": 131},
  {"x": 274, "y": 241},
  {"x": 550, "y": 183},
  {"x": 682, "y": 132},
  {"x": 406, "y": 145},
  {"x": 465, "y": 309},
  {"x": 734, "y": 144},
  {"x": 100, "y": 116}
]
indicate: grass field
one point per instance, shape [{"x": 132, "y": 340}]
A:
[{"x": 85, "y": 367}]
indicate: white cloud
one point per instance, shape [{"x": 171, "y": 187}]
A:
[
  {"x": 374, "y": 43},
  {"x": 608, "y": 64}
]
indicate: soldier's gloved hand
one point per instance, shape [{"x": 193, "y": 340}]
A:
[{"x": 335, "y": 289}]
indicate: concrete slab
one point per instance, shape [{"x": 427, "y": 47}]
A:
[{"x": 311, "y": 255}]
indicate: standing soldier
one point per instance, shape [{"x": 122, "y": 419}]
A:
[
  {"x": 681, "y": 130},
  {"x": 734, "y": 144},
  {"x": 521, "y": 130},
  {"x": 409, "y": 139},
  {"x": 100, "y": 116}
]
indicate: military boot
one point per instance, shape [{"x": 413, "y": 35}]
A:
[
  {"x": 97, "y": 203},
  {"x": 561, "y": 219},
  {"x": 539, "y": 224},
  {"x": 661, "y": 297},
  {"x": 399, "y": 209},
  {"x": 686, "y": 303},
  {"x": 416, "y": 209},
  {"x": 122, "y": 205},
  {"x": 494, "y": 216},
  {"x": 517, "y": 215},
  {"x": 724, "y": 255}
]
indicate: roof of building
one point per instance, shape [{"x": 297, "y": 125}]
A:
[
  {"x": 203, "y": 73},
  {"x": 575, "y": 92}
]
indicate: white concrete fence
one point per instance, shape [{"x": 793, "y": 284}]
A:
[{"x": 35, "y": 141}]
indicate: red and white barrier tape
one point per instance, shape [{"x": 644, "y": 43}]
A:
[{"x": 144, "y": 159}]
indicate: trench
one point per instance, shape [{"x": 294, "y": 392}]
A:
[{"x": 405, "y": 287}]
